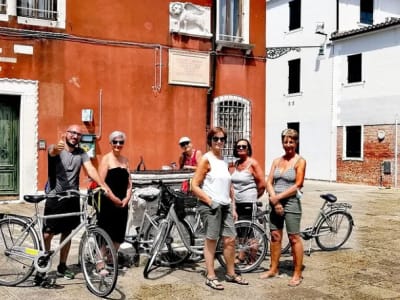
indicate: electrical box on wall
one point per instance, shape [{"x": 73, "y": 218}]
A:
[
  {"x": 88, "y": 143},
  {"x": 87, "y": 115}
]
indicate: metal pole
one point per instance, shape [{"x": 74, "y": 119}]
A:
[{"x": 395, "y": 152}]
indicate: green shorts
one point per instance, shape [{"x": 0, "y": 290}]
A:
[
  {"x": 291, "y": 221},
  {"x": 217, "y": 222}
]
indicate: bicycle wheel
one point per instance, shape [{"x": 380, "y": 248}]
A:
[
  {"x": 174, "y": 251},
  {"x": 16, "y": 265},
  {"x": 334, "y": 230},
  {"x": 250, "y": 248},
  {"x": 158, "y": 242},
  {"x": 99, "y": 262},
  {"x": 193, "y": 219}
]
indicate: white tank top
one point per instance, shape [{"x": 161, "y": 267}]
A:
[{"x": 217, "y": 183}]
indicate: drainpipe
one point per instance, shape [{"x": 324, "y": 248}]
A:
[
  {"x": 213, "y": 65},
  {"x": 98, "y": 136},
  {"x": 395, "y": 152},
  {"x": 337, "y": 15}
]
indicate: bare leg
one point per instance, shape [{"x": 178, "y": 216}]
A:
[
  {"x": 209, "y": 253},
  {"x": 229, "y": 254},
  {"x": 276, "y": 245},
  {"x": 47, "y": 240},
  {"x": 64, "y": 250},
  {"x": 297, "y": 252}
]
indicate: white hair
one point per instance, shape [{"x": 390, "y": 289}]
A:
[{"x": 116, "y": 134}]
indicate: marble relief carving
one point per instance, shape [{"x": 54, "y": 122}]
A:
[{"x": 190, "y": 19}]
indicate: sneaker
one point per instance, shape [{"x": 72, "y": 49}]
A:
[{"x": 63, "y": 271}]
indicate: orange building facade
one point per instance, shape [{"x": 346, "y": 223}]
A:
[{"x": 152, "y": 69}]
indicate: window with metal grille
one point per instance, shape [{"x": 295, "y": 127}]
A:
[
  {"x": 367, "y": 11},
  {"x": 354, "y": 65},
  {"x": 38, "y": 9},
  {"x": 294, "y": 14},
  {"x": 232, "y": 20},
  {"x": 233, "y": 114}
]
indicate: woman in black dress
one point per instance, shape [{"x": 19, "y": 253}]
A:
[{"x": 114, "y": 170}]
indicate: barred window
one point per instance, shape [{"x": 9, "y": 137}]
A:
[
  {"x": 3, "y": 6},
  {"x": 38, "y": 9},
  {"x": 233, "y": 114}
]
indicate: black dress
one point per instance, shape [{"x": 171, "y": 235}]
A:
[{"x": 111, "y": 218}]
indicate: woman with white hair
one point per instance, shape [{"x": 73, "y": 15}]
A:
[{"x": 114, "y": 169}]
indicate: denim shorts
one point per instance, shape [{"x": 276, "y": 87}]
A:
[{"x": 217, "y": 222}]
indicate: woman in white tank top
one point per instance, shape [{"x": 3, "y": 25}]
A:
[{"x": 211, "y": 184}]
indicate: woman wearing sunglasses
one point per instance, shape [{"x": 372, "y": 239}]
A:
[
  {"x": 248, "y": 185},
  {"x": 247, "y": 179},
  {"x": 114, "y": 169},
  {"x": 212, "y": 185}
]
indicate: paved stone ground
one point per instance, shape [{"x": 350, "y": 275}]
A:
[{"x": 367, "y": 267}]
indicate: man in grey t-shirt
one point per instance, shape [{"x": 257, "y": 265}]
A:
[{"x": 65, "y": 160}]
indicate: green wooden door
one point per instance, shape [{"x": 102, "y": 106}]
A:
[{"x": 9, "y": 145}]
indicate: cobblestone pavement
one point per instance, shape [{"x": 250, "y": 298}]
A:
[{"x": 367, "y": 267}]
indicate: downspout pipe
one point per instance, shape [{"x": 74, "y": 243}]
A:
[
  {"x": 395, "y": 152},
  {"x": 213, "y": 65},
  {"x": 337, "y": 15}
]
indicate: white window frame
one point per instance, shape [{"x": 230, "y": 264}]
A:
[
  {"x": 244, "y": 38},
  {"x": 59, "y": 23},
  {"x": 345, "y": 157},
  {"x": 233, "y": 134}
]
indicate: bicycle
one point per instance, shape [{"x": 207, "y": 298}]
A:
[
  {"x": 22, "y": 249},
  {"x": 332, "y": 226},
  {"x": 174, "y": 242},
  {"x": 252, "y": 239},
  {"x": 144, "y": 233}
]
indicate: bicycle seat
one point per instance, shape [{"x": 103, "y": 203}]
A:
[
  {"x": 329, "y": 197},
  {"x": 34, "y": 198},
  {"x": 148, "y": 198}
]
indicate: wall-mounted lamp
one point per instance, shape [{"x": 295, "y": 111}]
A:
[
  {"x": 381, "y": 135},
  {"x": 319, "y": 29}
]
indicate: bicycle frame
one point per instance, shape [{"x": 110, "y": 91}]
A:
[
  {"x": 173, "y": 218},
  {"x": 38, "y": 220}
]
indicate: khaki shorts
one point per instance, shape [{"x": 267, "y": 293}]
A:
[
  {"x": 217, "y": 222},
  {"x": 291, "y": 221}
]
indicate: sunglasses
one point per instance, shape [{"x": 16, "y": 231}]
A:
[
  {"x": 118, "y": 142},
  {"x": 184, "y": 144},
  {"x": 217, "y": 138},
  {"x": 78, "y": 134},
  {"x": 241, "y": 147}
]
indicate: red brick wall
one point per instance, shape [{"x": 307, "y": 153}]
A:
[{"x": 369, "y": 170}]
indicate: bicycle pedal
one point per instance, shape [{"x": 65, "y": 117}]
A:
[{"x": 48, "y": 283}]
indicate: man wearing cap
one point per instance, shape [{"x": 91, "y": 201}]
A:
[{"x": 190, "y": 156}]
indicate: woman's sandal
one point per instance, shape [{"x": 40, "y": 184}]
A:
[
  {"x": 235, "y": 278},
  {"x": 214, "y": 283}
]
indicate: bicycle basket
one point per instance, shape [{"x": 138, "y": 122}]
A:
[{"x": 183, "y": 201}]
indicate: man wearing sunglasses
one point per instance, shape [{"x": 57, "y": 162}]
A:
[
  {"x": 65, "y": 160},
  {"x": 190, "y": 156}
]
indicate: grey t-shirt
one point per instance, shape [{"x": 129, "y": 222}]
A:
[{"x": 64, "y": 169}]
